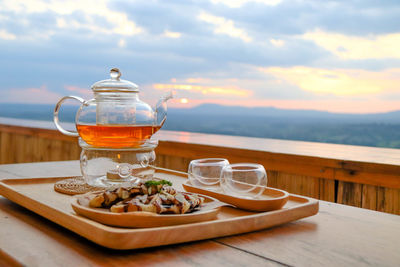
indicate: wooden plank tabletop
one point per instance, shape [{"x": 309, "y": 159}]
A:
[{"x": 338, "y": 236}]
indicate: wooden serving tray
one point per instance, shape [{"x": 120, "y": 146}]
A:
[{"x": 38, "y": 195}]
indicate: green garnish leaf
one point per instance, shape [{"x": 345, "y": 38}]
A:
[{"x": 157, "y": 182}]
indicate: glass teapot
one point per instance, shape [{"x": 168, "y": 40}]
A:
[{"x": 115, "y": 117}]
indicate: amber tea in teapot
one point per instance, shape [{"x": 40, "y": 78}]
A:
[{"x": 116, "y": 136}]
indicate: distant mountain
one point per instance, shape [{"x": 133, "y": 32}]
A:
[
  {"x": 289, "y": 114},
  {"x": 379, "y": 129},
  {"x": 45, "y": 112},
  {"x": 42, "y": 112}
]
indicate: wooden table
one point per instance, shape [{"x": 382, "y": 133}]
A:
[{"x": 338, "y": 236}]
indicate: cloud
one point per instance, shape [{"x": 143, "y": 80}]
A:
[
  {"x": 358, "y": 18},
  {"x": 340, "y": 82},
  {"x": 39, "y": 95},
  {"x": 225, "y": 26},
  {"x": 240, "y": 3},
  {"x": 196, "y": 80},
  {"x": 6, "y": 35},
  {"x": 209, "y": 44},
  {"x": 91, "y": 10},
  {"x": 205, "y": 90},
  {"x": 353, "y": 47},
  {"x": 277, "y": 42},
  {"x": 121, "y": 43},
  {"x": 82, "y": 92},
  {"x": 170, "y": 34}
]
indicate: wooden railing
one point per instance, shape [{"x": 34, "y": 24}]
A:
[{"x": 364, "y": 177}]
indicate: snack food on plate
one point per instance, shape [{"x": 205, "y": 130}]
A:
[{"x": 152, "y": 196}]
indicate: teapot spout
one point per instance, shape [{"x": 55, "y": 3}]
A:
[{"x": 161, "y": 108}]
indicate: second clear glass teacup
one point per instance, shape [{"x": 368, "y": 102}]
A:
[
  {"x": 246, "y": 180},
  {"x": 206, "y": 173}
]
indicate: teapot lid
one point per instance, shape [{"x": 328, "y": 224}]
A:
[{"x": 115, "y": 84}]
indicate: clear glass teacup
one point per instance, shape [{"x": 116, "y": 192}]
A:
[
  {"x": 205, "y": 173},
  {"x": 247, "y": 180}
]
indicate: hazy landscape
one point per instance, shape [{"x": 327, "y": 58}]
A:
[{"x": 380, "y": 129}]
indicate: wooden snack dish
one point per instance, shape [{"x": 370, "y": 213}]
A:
[
  {"x": 143, "y": 219},
  {"x": 271, "y": 199},
  {"x": 39, "y": 196}
]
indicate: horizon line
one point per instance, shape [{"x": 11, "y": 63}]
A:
[{"x": 227, "y": 105}]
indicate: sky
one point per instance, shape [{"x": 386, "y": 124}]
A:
[{"x": 337, "y": 56}]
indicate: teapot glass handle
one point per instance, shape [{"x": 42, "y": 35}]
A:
[{"x": 57, "y": 109}]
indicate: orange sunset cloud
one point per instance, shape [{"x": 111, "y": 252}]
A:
[
  {"x": 205, "y": 90},
  {"x": 340, "y": 82}
]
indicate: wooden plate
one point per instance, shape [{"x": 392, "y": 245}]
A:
[
  {"x": 142, "y": 219},
  {"x": 271, "y": 199}
]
